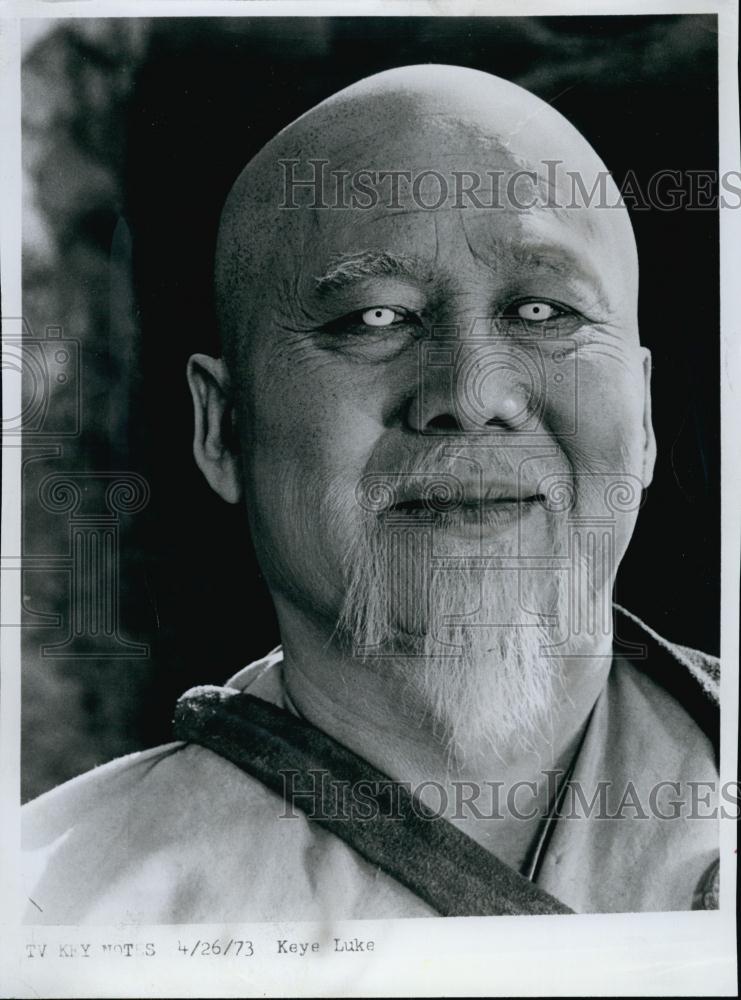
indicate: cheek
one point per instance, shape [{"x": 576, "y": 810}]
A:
[
  {"x": 307, "y": 441},
  {"x": 314, "y": 426},
  {"x": 605, "y": 451},
  {"x": 597, "y": 413}
]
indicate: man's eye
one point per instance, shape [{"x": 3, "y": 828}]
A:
[
  {"x": 541, "y": 317},
  {"x": 381, "y": 316},
  {"x": 377, "y": 319},
  {"x": 536, "y": 312}
]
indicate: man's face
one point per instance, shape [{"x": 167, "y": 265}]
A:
[{"x": 491, "y": 351}]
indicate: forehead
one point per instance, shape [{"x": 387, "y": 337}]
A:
[
  {"x": 437, "y": 235},
  {"x": 451, "y": 242},
  {"x": 425, "y": 194},
  {"x": 457, "y": 195}
]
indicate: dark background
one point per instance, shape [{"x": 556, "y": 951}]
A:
[{"x": 133, "y": 134}]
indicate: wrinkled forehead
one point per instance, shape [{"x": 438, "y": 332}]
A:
[
  {"x": 433, "y": 160},
  {"x": 437, "y": 177},
  {"x": 446, "y": 192}
]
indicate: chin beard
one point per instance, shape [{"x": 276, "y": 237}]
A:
[
  {"x": 470, "y": 647},
  {"x": 476, "y": 652}
]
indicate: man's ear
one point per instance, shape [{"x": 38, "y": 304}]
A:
[
  {"x": 213, "y": 442},
  {"x": 649, "y": 440}
]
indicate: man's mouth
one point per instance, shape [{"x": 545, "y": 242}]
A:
[
  {"x": 474, "y": 503},
  {"x": 482, "y": 510}
]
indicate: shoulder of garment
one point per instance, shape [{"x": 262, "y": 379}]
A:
[
  {"x": 651, "y": 756},
  {"x": 178, "y": 834}
]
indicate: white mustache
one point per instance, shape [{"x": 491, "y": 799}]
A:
[
  {"x": 379, "y": 493},
  {"x": 444, "y": 477}
]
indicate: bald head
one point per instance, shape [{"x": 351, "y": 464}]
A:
[{"x": 433, "y": 139}]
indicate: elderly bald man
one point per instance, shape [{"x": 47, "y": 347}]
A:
[{"x": 435, "y": 407}]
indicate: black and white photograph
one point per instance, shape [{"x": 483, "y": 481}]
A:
[{"x": 371, "y": 500}]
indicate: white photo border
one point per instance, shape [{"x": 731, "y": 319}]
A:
[{"x": 650, "y": 954}]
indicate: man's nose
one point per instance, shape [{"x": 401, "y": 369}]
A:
[{"x": 474, "y": 387}]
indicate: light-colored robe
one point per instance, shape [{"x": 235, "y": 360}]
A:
[{"x": 179, "y": 834}]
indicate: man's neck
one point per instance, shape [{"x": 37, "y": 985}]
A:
[{"x": 369, "y": 706}]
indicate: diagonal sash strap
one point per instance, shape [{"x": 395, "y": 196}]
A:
[{"x": 393, "y": 829}]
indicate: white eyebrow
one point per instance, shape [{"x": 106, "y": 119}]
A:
[{"x": 346, "y": 268}]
